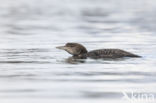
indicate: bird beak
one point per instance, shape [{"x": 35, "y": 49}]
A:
[{"x": 61, "y": 47}]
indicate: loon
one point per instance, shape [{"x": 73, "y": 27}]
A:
[{"x": 79, "y": 51}]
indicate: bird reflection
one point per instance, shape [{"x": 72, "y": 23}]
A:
[{"x": 74, "y": 60}]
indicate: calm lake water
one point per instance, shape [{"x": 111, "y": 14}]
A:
[{"x": 32, "y": 70}]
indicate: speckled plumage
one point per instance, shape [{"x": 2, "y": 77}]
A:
[
  {"x": 110, "y": 53},
  {"x": 78, "y": 50}
]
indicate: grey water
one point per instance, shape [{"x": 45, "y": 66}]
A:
[{"x": 32, "y": 70}]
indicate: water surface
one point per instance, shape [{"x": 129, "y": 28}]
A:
[{"x": 33, "y": 70}]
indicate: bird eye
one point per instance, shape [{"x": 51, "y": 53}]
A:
[{"x": 71, "y": 45}]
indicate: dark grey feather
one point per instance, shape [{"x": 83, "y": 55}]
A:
[{"x": 110, "y": 53}]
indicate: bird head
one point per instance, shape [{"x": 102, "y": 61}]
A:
[{"x": 74, "y": 49}]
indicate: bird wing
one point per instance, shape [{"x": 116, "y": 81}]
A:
[{"x": 110, "y": 53}]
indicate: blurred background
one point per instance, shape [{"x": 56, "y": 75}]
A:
[{"x": 33, "y": 70}]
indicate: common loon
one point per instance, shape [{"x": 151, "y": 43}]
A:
[{"x": 79, "y": 51}]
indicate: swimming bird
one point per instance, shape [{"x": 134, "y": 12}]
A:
[{"x": 79, "y": 51}]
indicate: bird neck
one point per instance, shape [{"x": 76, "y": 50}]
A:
[{"x": 82, "y": 54}]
